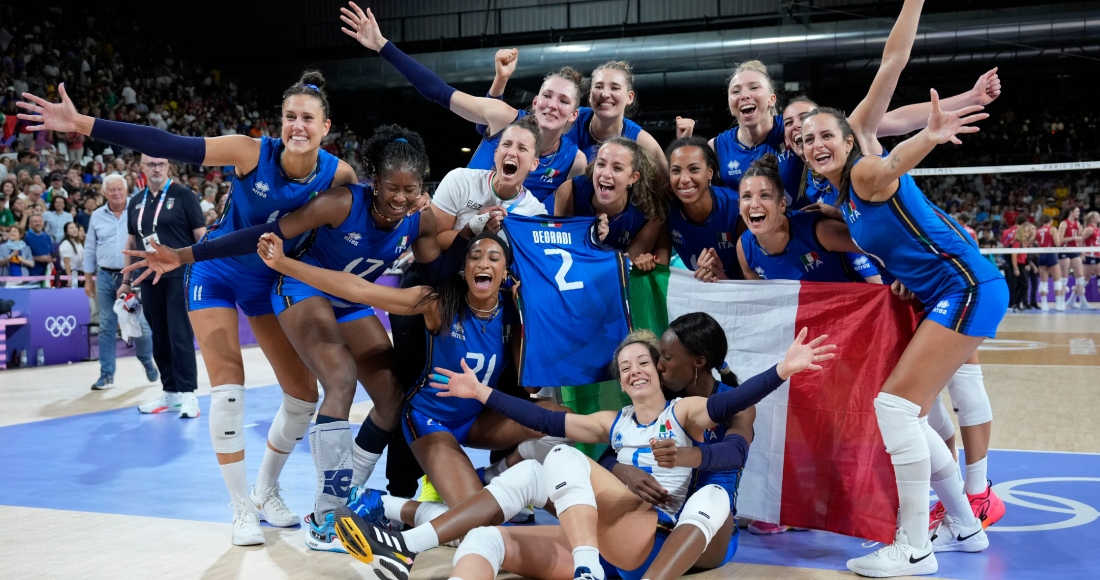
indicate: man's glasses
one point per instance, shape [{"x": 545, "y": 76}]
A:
[{"x": 157, "y": 165}]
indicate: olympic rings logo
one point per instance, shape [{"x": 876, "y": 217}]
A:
[{"x": 60, "y": 325}]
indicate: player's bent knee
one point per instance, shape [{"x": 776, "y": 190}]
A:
[
  {"x": 939, "y": 421},
  {"x": 485, "y": 542},
  {"x": 290, "y": 424},
  {"x": 969, "y": 397},
  {"x": 901, "y": 430},
  {"x": 227, "y": 418},
  {"x": 568, "y": 473},
  {"x": 518, "y": 487},
  {"x": 706, "y": 509}
]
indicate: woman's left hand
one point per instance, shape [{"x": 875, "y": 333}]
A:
[
  {"x": 803, "y": 357},
  {"x": 944, "y": 126},
  {"x": 463, "y": 385},
  {"x": 364, "y": 27},
  {"x": 270, "y": 249}
]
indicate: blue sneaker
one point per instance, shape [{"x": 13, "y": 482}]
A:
[
  {"x": 105, "y": 382},
  {"x": 367, "y": 503},
  {"x": 323, "y": 538},
  {"x": 151, "y": 372}
]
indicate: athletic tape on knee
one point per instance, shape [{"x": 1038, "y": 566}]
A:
[
  {"x": 290, "y": 424},
  {"x": 706, "y": 509},
  {"x": 485, "y": 542},
  {"x": 939, "y": 456},
  {"x": 568, "y": 473},
  {"x": 227, "y": 418},
  {"x": 939, "y": 421},
  {"x": 901, "y": 430},
  {"x": 519, "y": 486},
  {"x": 538, "y": 449},
  {"x": 968, "y": 396}
]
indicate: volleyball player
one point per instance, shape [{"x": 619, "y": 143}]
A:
[
  {"x": 360, "y": 230},
  {"x": 622, "y": 188},
  {"x": 964, "y": 296},
  {"x": 272, "y": 177},
  {"x": 554, "y": 107},
  {"x": 1048, "y": 237},
  {"x": 1072, "y": 236},
  {"x": 1091, "y": 235}
]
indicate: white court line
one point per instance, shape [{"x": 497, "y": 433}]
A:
[
  {"x": 1083, "y": 346},
  {"x": 1043, "y": 451}
]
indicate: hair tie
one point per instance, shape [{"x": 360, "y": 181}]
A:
[
  {"x": 724, "y": 368},
  {"x": 309, "y": 86},
  {"x": 401, "y": 140}
]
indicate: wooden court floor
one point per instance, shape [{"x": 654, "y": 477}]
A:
[{"x": 1041, "y": 373}]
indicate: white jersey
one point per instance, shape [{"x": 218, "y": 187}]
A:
[
  {"x": 463, "y": 193},
  {"x": 630, "y": 440}
]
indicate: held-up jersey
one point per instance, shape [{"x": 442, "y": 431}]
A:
[
  {"x": 804, "y": 258},
  {"x": 630, "y": 440},
  {"x": 920, "y": 245},
  {"x": 552, "y": 171},
  {"x": 267, "y": 194},
  {"x": 622, "y": 227},
  {"x": 573, "y": 300},
  {"x": 718, "y": 231},
  {"x": 484, "y": 345},
  {"x": 358, "y": 245},
  {"x": 588, "y": 145}
]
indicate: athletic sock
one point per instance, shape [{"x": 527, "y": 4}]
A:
[
  {"x": 270, "y": 468},
  {"x": 588, "y": 557},
  {"x": 912, "y": 481},
  {"x": 976, "y": 477},
  {"x": 330, "y": 443},
  {"x": 392, "y": 506},
  {"x": 370, "y": 442},
  {"x": 236, "y": 480},
  {"x": 363, "y": 463},
  {"x": 948, "y": 486},
  {"x": 428, "y": 511},
  {"x": 420, "y": 538}
]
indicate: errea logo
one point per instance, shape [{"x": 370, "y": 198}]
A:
[
  {"x": 861, "y": 263},
  {"x": 353, "y": 238},
  {"x": 261, "y": 189},
  {"x": 733, "y": 167},
  {"x": 941, "y": 307},
  {"x": 677, "y": 237},
  {"x": 760, "y": 272}
]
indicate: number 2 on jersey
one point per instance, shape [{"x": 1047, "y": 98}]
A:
[{"x": 566, "y": 263}]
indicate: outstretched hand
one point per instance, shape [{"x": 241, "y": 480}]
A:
[
  {"x": 463, "y": 385},
  {"x": 363, "y": 27},
  {"x": 988, "y": 88},
  {"x": 944, "y": 126},
  {"x": 49, "y": 116},
  {"x": 157, "y": 261},
  {"x": 804, "y": 357}
]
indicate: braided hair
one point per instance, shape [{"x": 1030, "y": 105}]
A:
[{"x": 395, "y": 148}]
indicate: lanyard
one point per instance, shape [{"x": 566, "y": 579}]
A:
[
  {"x": 507, "y": 204},
  {"x": 156, "y": 216}
]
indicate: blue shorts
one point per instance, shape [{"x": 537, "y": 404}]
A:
[
  {"x": 1092, "y": 260},
  {"x": 226, "y": 284},
  {"x": 659, "y": 541},
  {"x": 1048, "y": 260},
  {"x": 973, "y": 312},
  {"x": 416, "y": 424},
  {"x": 1068, "y": 256},
  {"x": 289, "y": 291}
]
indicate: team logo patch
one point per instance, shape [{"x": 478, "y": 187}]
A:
[
  {"x": 170, "y": 202},
  {"x": 677, "y": 237},
  {"x": 666, "y": 430},
  {"x": 337, "y": 482},
  {"x": 402, "y": 243},
  {"x": 734, "y": 168},
  {"x": 861, "y": 263},
  {"x": 551, "y": 224},
  {"x": 850, "y": 211},
  {"x": 941, "y": 307},
  {"x": 261, "y": 189},
  {"x": 760, "y": 272},
  {"x": 618, "y": 441},
  {"x": 811, "y": 261},
  {"x": 549, "y": 175},
  {"x": 725, "y": 237},
  {"x": 353, "y": 238}
]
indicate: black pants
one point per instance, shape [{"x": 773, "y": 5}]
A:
[
  {"x": 165, "y": 306},
  {"x": 1017, "y": 286}
]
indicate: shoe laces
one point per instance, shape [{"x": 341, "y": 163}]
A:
[
  {"x": 245, "y": 515},
  {"x": 271, "y": 500}
]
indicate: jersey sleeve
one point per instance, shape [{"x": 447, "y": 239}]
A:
[{"x": 450, "y": 192}]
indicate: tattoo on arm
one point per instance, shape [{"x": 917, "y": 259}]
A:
[{"x": 894, "y": 161}]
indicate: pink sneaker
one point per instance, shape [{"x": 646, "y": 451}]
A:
[{"x": 764, "y": 528}]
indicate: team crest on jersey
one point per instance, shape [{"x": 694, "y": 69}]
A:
[
  {"x": 617, "y": 443},
  {"x": 861, "y": 263},
  {"x": 353, "y": 238},
  {"x": 402, "y": 244},
  {"x": 850, "y": 212},
  {"x": 677, "y": 237},
  {"x": 624, "y": 237},
  {"x": 168, "y": 203},
  {"x": 666, "y": 431},
  {"x": 550, "y": 175},
  {"x": 811, "y": 261},
  {"x": 760, "y": 272},
  {"x": 457, "y": 331},
  {"x": 941, "y": 307},
  {"x": 261, "y": 189},
  {"x": 734, "y": 167},
  {"x": 725, "y": 240}
]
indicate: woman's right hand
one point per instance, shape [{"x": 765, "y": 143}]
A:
[
  {"x": 642, "y": 484},
  {"x": 364, "y": 27},
  {"x": 270, "y": 249},
  {"x": 684, "y": 127},
  {"x": 826, "y": 210},
  {"x": 505, "y": 62},
  {"x": 51, "y": 116},
  {"x": 463, "y": 385},
  {"x": 159, "y": 260}
]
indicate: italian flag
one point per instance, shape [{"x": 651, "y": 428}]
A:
[
  {"x": 551, "y": 224},
  {"x": 809, "y": 258},
  {"x": 817, "y": 460},
  {"x": 725, "y": 237},
  {"x": 404, "y": 241}
]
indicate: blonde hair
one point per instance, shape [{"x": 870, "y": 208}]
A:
[
  {"x": 642, "y": 336},
  {"x": 758, "y": 67},
  {"x": 628, "y": 73},
  {"x": 1092, "y": 216}
]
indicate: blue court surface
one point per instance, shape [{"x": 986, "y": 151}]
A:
[{"x": 122, "y": 462}]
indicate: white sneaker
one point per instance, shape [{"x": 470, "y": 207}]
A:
[
  {"x": 272, "y": 508},
  {"x": 897, "y": 559},
  {"x": 951, "y": 536},
  {"x": 166, "y": 402},
  {"x": 189, "y": 405},
  {"x": 246, "y": 525}
]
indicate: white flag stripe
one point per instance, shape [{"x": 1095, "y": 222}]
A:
[{"x": 759, "y": 326}]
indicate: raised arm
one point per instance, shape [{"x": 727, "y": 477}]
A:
[
  {"x": 363, "y": 27},
  {"x": 905, "y": 120}
]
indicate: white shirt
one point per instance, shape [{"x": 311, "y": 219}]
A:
[
  {"x": 75, "y": 256},
  {"x": 129, "y": 95},
  {"x": 465, "y": 192},
  {"x": 630, "y": 440}
]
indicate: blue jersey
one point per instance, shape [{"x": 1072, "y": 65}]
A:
[
  {"x": 921, "y": 246},
  {"x": 552, "y": 171},
  {"x": 718, "y": 231},
  {"x": 588, "y": 144},
  {"x": 819, "y": 190},
  {"x": 734, "y": 157},
  {"x": 728, "y": 480},
  {"x": 484, "y": 345},
  {"x": 804, "y": 258},
  {"x": 266, "y": 194},
  {"x": 791, "y": 167},
  {"x": 577, "y": 295},
  {"x": 622, "y": 227}
]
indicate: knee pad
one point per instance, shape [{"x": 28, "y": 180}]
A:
[
  {"x": 901, "y": 429},
  {"x": 568, "y": 482},
  {"x": 227, "y": 418},
  {"x": 706, "y": 509},
  {"x": 485, "y": 542},
  {"x": 538, "y": 449},
  {"x": 1057, "y": 284},
  {"x": 939, "y": 456},
  {"x": 519, "y": 486},
  {"x": 290, "y": 424},
  {"x": 968, "y": 396},
  {"x": 939, "y": 421}
]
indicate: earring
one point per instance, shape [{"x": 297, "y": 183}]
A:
[{"x": 694, "y": 382}]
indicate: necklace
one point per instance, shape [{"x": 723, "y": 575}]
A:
[
  {"x": 374, "y": 210},
  {"x": 549, "y": 157},
  {"x": 484, "y": 317},
  {"x": 305, "y": 179}
]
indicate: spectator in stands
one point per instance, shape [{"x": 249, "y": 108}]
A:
[
  {"x": 57, "y": 187},
  {"x": 106, "y": 238},
  {"x": 18, "y": 212},
  {"x": 56, "y": 219},
  {"x": 71, "y": 252},
  {"x": 28, "y": 161},
  {"x": 15, "y": 255},
  {"x": 7, "y": 219},
  {"x": 41, "y": 245},
  {"x": 84, "y": 217}
]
